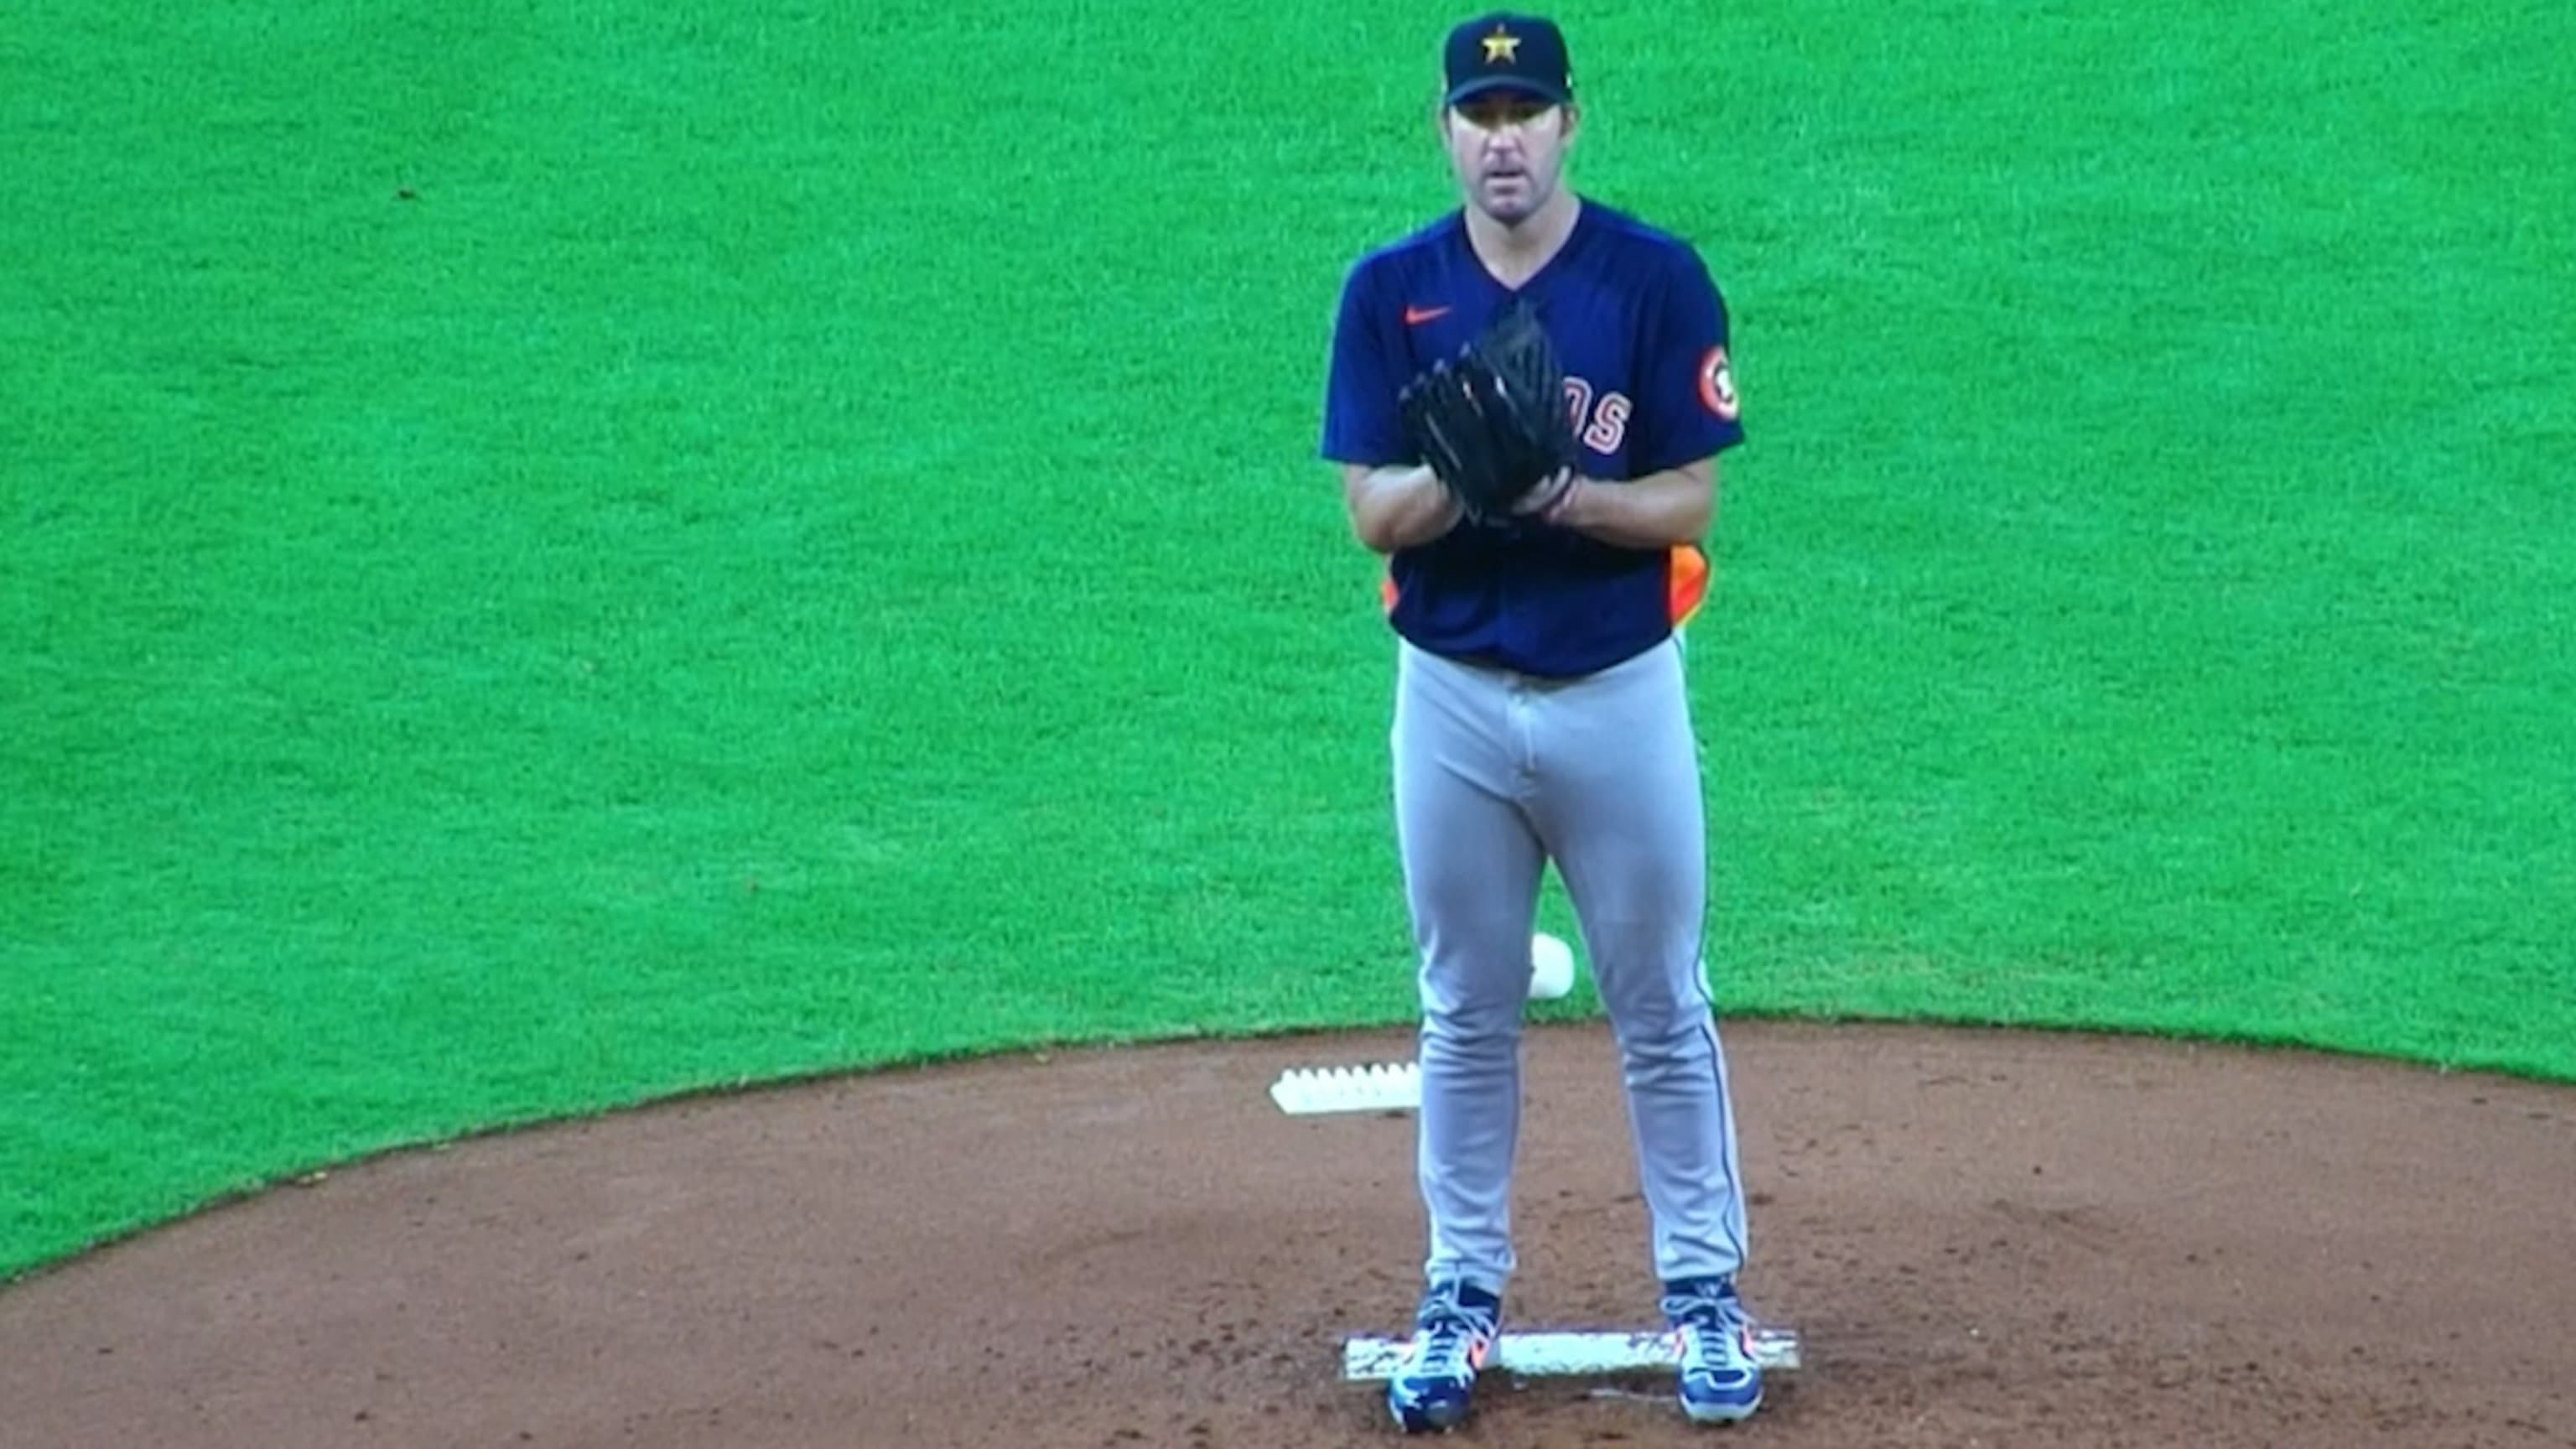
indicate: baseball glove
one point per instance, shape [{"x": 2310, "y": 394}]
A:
[{"x": 1493, "y": 421}]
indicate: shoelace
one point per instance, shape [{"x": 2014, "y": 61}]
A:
[
  {"x": 1711, "y": 1313},
  {"x": 1442, "y": 1348}
]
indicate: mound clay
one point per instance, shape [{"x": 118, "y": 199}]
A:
[{"x": 1984, "y": 1238}]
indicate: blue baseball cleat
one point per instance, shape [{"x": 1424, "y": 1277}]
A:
[
  {"x": 1453, "y": 1332},
  {"x": 1720, "y": 1382}
]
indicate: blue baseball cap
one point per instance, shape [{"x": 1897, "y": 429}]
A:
[{"x": 1504, "y": 51}]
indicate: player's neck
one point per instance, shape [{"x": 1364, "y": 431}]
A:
[{"x": 1515, "y": 253}]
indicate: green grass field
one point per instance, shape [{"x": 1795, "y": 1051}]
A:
[{"x": 798, "y": 545}]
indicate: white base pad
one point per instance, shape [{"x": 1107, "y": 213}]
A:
[
  {"x": 1557, "y": 1355},
  {"x": 1379, "y": 1087}
]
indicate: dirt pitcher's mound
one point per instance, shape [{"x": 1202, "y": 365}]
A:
[{"x": 1986, "y": 1239}]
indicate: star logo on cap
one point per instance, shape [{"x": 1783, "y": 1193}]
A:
[{"x": 1502, "y": 47}]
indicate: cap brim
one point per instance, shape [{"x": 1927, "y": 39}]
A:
[{"x": 1488, "y": 84}]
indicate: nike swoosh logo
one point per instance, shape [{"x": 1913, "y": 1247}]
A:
[{"x": 1416, "y": 316}]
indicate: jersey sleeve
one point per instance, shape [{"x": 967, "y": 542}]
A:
[
  {"x": 1687, "y": 409},
  {"x": 1362, "y": 424}
]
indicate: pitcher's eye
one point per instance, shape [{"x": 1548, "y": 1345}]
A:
[{"x": 1493, "y": 115}]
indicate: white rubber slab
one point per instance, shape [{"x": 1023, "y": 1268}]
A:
[{"x": 1569, "y": 1354}]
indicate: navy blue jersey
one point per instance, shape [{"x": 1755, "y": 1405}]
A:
[{"x": 1641, "y": 331}]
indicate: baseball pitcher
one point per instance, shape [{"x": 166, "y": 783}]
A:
[{"x": 1527, "y": 398}]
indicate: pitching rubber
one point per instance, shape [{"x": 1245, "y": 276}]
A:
[{"x": 1373, "y": 1359}]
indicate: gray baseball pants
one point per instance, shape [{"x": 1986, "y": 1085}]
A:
[{"x": 1497, "y": 774}]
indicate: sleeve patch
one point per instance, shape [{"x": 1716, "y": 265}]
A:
[{"x": 1717, "y": 384}]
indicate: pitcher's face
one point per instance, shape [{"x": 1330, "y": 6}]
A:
[{"x": 1507, "y": 149}]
